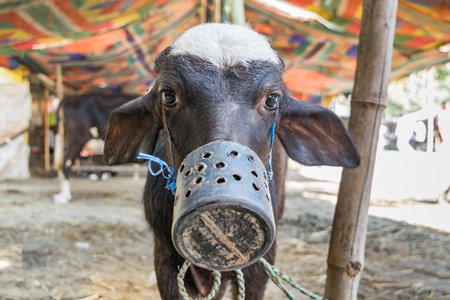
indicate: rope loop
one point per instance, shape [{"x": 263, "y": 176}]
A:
[
  {"x": 274, "y": 274},
  {"x": 241, "y": 284},
  {"x": 182, "y": 288},
  {"x": 164, "y": 170}
]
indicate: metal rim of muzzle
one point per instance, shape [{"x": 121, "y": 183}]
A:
[{"x": 223, "y": 218}]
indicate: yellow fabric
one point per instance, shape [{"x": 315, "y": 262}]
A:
[{"x": 13, "y": 76}]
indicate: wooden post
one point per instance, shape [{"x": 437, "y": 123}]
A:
[
  {"x": 202, "y": 11},
  {"x": 348, "y": 236},
  {"x": 59, "y": 142},
  {"x": 217, "y": 11},
  {"x": 46, "y": 131},
  {"x": 238, "y": 12},
  {"x": 430, "y": 103}
]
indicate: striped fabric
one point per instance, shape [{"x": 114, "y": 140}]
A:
[
  {"x": 320, "y": 54},
  {"x": 112, "y": 44}
]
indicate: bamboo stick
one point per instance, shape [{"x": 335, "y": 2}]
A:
[
  {"x": 347, "y": 244},
  {"x": 217, "y": 16},
  {"x": 46, "y": 131},
  {"x": 202, "y": 11},
  {"x": 430, "y": 101},
  {"x": 238, "y": 12},
  {"x": 59, "y": 154}
]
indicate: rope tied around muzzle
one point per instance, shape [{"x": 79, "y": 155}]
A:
[
  {"x": 164, "y": 170},
  {"x": 273, "y": 273},
  {"x": 169, "y": 172}
]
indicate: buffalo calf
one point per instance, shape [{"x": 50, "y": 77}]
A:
[{"x": 220, "y": 85}]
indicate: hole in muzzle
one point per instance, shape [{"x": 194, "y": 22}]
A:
[
  {"x": 197, "y": 180},
  {"x": 256, "y": 187},
  {"x": 237, "y": 177},
  {"x": 233, "y": 153},
  {"x": 207, "y": 154},
  {"x": 220, "y": 180},
  {"x": 200, "y": 167},
  {"x": 220, "y": 165}
]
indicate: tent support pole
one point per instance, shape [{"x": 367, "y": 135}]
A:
[
  {"x": 203, "y": 11},
  {"x": 430, "y": 101},
  {"x": 348, "y": 236},
  {"x": 217, "y": 11},
  {"x": 46, "y": 131},
  {"x": 238, "y": 12},
  {"x": 59, "y": 155}
]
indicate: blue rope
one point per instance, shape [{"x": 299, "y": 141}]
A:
[
  {"x": 164, "y": 170},
  {"x": 169, "y": 172},
  {"x": 171, "y": 181},
  {"x": 272, "y": 138}
]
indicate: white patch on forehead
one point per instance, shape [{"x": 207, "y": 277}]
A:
[{"x": 224, "y": 45}]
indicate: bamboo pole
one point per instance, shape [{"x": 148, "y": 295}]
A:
[
  {"x": 238, "y": 12},
  {"x": 202, "y": 11},
  {"x": 217, "y": 11},
  {"x": 348, "y": 236},
  {"x": 46, "y": 132},
  {"x": 430, "y": 103},
  {"x": 59, "y": 142}
]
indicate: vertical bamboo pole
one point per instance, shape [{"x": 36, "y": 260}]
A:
[
  {"x": 348, "y": 236},
  {"x": 238, "y": 12},
  {"x": 60, "y": 116},
  {"x": 430, "y": 103},
  {"x": 46, "y": 131},
  {"x": 217, "y": 11},
  {"x": 202, "y": 11}
]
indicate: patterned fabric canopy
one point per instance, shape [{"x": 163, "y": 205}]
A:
[{"x": 111, "y": 44}]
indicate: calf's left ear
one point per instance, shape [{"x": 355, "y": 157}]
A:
[
  {"x": 132, "y": 128},
  {"x": 313, "y": 135}
]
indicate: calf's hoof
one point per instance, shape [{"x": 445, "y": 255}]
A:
[{"x": 61, "y": 198}]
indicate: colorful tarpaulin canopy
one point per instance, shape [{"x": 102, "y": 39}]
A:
[{"x": 112, "y": 44}]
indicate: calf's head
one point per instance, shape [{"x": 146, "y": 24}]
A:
[{"x": 219, "y": 91}]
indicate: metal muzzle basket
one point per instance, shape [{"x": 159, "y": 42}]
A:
[{"x": 223, "y": 218}]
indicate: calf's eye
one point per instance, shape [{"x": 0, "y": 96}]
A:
[
  {"x": 272, "y": 101},
  {"x": 169, "y": 98}
]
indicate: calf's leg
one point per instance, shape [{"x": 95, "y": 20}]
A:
[{"x": 73, "y": 150}]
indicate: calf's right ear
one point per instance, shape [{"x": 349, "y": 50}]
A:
[
  {"x": 132, "y": 128},
  {"x": 313, "y": 135}
]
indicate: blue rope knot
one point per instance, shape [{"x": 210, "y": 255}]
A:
[
  {"x": 272, "y": 138},
  {"x": 164, "y": 170}
]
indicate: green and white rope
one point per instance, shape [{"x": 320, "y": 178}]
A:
[
  {"x": 241, "y": 284},
  {"x": 274, "y": 274},
  {"x": 182, "y": 288}
]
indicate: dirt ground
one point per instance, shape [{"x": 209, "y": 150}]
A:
[{"x": 99, "y": 247}]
